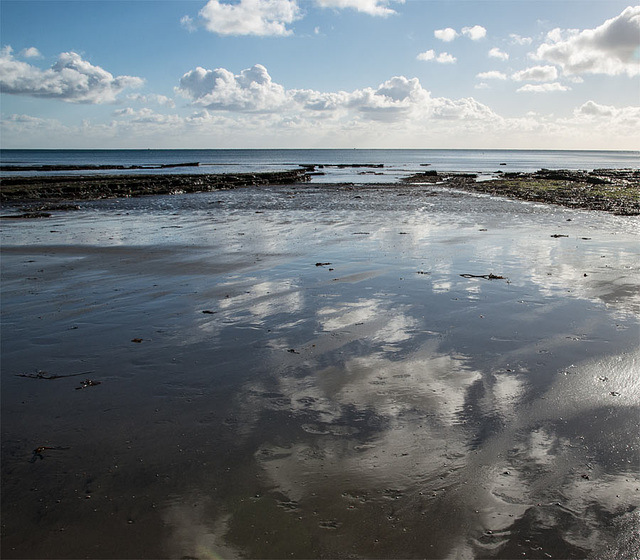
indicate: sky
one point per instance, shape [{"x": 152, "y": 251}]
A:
[{"x": 485, "y": 74}]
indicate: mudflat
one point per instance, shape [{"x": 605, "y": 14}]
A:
[{"x": 301, "y": 372}]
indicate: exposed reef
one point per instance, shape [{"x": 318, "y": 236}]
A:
[
  {"x": 611, "y": 190},
  {"x": 84, "y": 187}
]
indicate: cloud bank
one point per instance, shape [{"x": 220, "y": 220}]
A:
[{"x": 254, "y": 91}]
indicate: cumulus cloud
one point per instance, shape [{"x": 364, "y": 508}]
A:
[
  {"x": 447, "y": 35},
  {"x": 495, "y": 52},
  {"x": 607, "y": 120},
  {"x": 271, "y": 17},
  {"x": 70, "y": 79},
  {"x": 442, "y": 58},
  {"x": 371, "y": 7},
  {"x": 30, "y": 52},
  {"x": 611, "y": 48},
  {"x": 543, "y": 88},
  {"x": 250, "y": 91},
  {"x": 536, "y": 74},
  {"x": 461, "y": 109},
  {"x": 603, "y": 118},
  {"x": 396, "y": 100},
  {"x": 249, "y": 17},
  {"x": 630, "y": 116},
  {"x": 592, "y": 108},
  {"x": 492, "y": 75},
  {"x": 391, "y": 100},
  {"x": 475, "y": 33}
]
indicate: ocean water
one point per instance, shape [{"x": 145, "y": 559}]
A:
[{"x": 385, "y": 165}]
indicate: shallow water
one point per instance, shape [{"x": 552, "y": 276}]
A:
[{"x": 381, "y": 405}]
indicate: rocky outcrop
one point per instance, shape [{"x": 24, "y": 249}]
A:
[
  {"x": 611, "y": 190},
  {"x": 85, "y": 187}
]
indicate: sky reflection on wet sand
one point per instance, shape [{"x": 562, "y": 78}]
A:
[{"x": 381, "y": 405}]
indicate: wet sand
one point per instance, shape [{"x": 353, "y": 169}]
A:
[{"x": 303, "y": 372}]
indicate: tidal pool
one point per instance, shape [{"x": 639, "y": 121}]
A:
[{"x": 305, "y": 373}]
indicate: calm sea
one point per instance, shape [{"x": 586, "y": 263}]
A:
[{"x": 395, "y": 163}]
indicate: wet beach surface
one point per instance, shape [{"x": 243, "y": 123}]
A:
[{"x": 302, "y": 372}]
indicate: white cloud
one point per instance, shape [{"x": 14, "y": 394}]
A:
[
  {"x": 482, "y": 85},
  {"x": 518, "y": 40},
  {"x": 252, "y": 90},
  {"x": 392, "y": 100},
  {"x": 442, "y": 58},
  {"x": 611, "y": 48},
  {"x": 147, "y": 116},
  {"x": 461, "y": 109},
  {"x": 447, "y": 35},
  {"x": 543, "y": 88},
  {"x": 492, "y": 75},
  {"x": 623, "y": 116},
  {"x": 495, "y": 52},
  {"x": 153, "y": 98},
  {"x": 398, "y": 99},
  {"x": 188, "y": 23},
  {"x": 427, "y": 55},
  {"x": 31, "y": 52},
  {"x": 26, "y": 120},
  {"x": 475, "y": 33},
  {"x": 398, "y": 113},
  {"x": 594, "y": 109},
  {"x": 536, "y": 74},
  {"x": 446, "y": 58},
  {"x": 250, "y": 17},
  {"x": 607, "y": 120},
  {"x": 316, "y": 101},
  {"x": 70, "y": 79},
  {"x": 371, "y": 7}
]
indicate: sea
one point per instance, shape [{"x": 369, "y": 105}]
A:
[{"x": 332, "y": 165}]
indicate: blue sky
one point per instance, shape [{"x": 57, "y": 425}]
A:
[{"x": 538, "y": 74}]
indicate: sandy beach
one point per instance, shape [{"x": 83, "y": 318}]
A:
[{"x": 320, "y": 372}]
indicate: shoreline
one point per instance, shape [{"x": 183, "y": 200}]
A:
[{"x": 611, "y": 190}]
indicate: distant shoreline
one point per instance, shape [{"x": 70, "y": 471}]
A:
[{"x": 612, "y": 190}]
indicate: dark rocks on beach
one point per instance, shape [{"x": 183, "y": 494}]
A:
[
  {"x": 81, "y": 187},
  {"x": 611, "y": 190},
  {"x": 28, "y": 215},
  {"x": 42, "y": 168}
]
